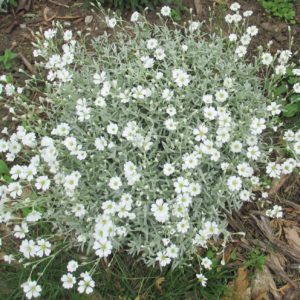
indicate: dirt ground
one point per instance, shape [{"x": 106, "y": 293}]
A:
[{"x": 279, "y": 240}]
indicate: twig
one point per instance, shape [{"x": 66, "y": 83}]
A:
[
  {"x": 12, "y": 26},
  {"x": 46, "y": 10},
  {"x": 278, "y": 184},
  {"x": 27, "y": 64},
  {"x": 198, "y": 6},
  {"x": 59, "y": 4},
  {"x": 68, "y": 17}
]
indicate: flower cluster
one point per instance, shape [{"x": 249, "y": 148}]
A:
[
  {"x": 275, "y": 212},
  {"x": 146, "y": 143}
]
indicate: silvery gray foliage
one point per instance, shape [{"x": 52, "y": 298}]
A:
[{"x": 151, "y": 134}]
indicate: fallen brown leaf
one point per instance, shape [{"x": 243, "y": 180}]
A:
[
  {"x": 239, "y": 288},
  {"x": 158, "y": 283},
  {"x": 284, "y": 288},
  {"x": 277, "y": 184},
  {"x": 263, "y": 284},
  {"x": 292, "y": 237}
]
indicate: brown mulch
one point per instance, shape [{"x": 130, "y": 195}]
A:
[{"x": 277, "y": 239}]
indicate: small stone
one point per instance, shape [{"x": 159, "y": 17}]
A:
[{"x": 88, "y": 20}]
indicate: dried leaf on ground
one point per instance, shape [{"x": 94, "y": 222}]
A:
[
  {"x": 158, "y": 283},
  {"x": 263, "y": 285},
  {"x": 239, "y": 288},
  {"x": 292, "y": 237},
  {"x": 277, "y": 184},
  {"x": 277, "y": 260}
]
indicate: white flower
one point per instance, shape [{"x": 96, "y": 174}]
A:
[
  {"x": 100, "y": 143},
  {"x": 16, "y": 172},
  {"x": 72, "y": 266},
  {"x": 280, "y": 70},
  {"x": 167, "y": 94},
  {"x": 159, "y": 54},
  {"x": 103, "y": 247},
  {"x": 206, "y": 263},
  {"x": 86, "y": 285},
  {"x": 257, "y": 126},
  {"x": 284, "y": 56},
  {"x": 288, "y": 166},
  {"x": 234, "y": 183},
  {"x": 171, "y": 111},
  {"x": 135, "y": 16},
  {"x": 228, "y": 19},
  {"x": 170, "y": 124},
  {"x": 253, "y": 153},
  {"x": 236, "y": 147},
  {"x": 296, "y": 72},
  {"x": 112, "y": 128},
  {"x": 247, "y": 13},
  {"x": 31, "y": 289},
  {"x": 184, "y": 48},
  {"x": 168, "y": 169},
  {"x": 79, "y": 210},
  {"x": 194, "y": 26},
  {"x": 207, "y": 99},
  {"x": 28, "y": 248},
  {"x": 232, "y": 37},
  {"x": 63, "y": 129},
  {"x": 67, "y": 35},
  {"x": 180, "y": 77},
  {"x": 245, "y": 39},
  {"x": 241, "y": 51},
  {"x": 3, "y": 146},
  {"x": 202, "y": 279},
  {"x": 200, "y": 132},
  {"x": 152, "y": 44},
  {"x": 274, "y": 109},
  {"x": 236, "y": 18},
  {"x": 181, "y": 185},
  {"x": 245, "y": 195},
  {"x": 221, "y": 95},
  {"x": 42, "y": 183},
  {"x": 297, "y": 148},
  {"x": 99, "y": 78},
  {"x": 194, "y": 189},
  {"x": 210, "y": 112},
  {"x": 68, "y": 280},
  {"x": 252, "y": 30},
  {"x": 50, "y": 33},
  {"x": 296, "y": 88},
  {"x": 21, "y": 230},
  {"x": 160, "y": 210},
  {"x": 235, "y": 6},
  {"x": 183, "y": 226},
  {"x": 115, "y": 183},
  {"x": 111, "y": 22},
  {"x": 172, "y": 251},
  {"x": 8, "y": 258},
  {"x": 245, "y": 170},
  {"x": 163, "y": 259},
  {"x": 273, "y": 170},
  {"x": 43, "y": 248},
  {"x": 165, "y": 11},
  {"x": 266, "y": 58}
]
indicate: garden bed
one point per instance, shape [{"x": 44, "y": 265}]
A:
[{"x": 270, "y": 248}]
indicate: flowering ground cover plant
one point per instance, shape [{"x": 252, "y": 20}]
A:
[{"x": 148, "y": 136}]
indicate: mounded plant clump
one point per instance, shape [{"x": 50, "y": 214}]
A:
[{"x": 144, "y": 139}]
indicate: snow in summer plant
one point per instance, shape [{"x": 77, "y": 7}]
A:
[{"x": 145, "y": 138}]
